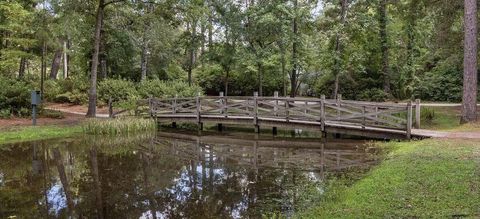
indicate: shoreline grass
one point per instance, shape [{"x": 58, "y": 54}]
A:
[
  {"x": 118, "y": 126},
  {"x": 424, "y": 179},
  {"x": 31, "y": 133}
]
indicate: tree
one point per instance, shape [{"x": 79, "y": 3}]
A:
[
  {"x": 469, "y": 103},
  {"x": 92, "y": 94},
  {"x": 382, "y": 11}
]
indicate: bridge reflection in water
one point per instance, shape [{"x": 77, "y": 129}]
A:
[
  {"x": 317, "y": 156},
  {"x": 171, "y": 175}
]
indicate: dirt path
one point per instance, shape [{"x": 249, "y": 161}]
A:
[
  {"x": 69, "y": 119},
  {"x": 75, "y": 109},
  {"x": 444, "y": 134}
]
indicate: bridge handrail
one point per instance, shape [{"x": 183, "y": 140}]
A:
[{"x": 317, "y": 110}]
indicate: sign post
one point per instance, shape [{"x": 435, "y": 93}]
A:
[{"x": 36, "y": 100}]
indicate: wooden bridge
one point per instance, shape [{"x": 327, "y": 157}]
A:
[{"x": 367, "y": 119}]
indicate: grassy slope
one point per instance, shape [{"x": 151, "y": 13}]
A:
[
  {"x": 430, "y": 178},
  {"x": 29, "y": 133},
  {"x": 448, "y": 119}
]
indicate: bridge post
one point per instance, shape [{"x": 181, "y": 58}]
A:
[
  {"x": 417, "y": 113},
  {"x": 322, "y": 112},
  {"x": 363, "y": 117},
  {"x": 222, "y": 110},
  {"x": 222, "y": 103},
  {"x": 287, "y": 109},
  {"x": 409, "y": 120},
  {"x": 174, "y": 105},
  {"x": 275, "y": 108},
  {"x": 255, "y": 112},
  {"x": 339, "y": 100},
  {"x": 199, "y": 107},
  {"x": 275, "y": 112}
]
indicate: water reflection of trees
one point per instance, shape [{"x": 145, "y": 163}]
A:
[{"x": 163, "y": 177}]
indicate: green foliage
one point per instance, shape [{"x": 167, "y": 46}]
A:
[
  {"x": 117, "y": 89},
  {"x": 158, "y": 88},
  {"x": 14, "y": 95},
  {"x": 51, "y": 114},
  {"x": 5, "y": 114},
  {"x": 443, "y": 83},
  {"x": 373, "y": 94},
  {"x": 118, "y": 126},
  {"x": 72, "y": 90}
]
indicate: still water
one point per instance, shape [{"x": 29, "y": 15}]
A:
[{"x": 171, "y": 175}]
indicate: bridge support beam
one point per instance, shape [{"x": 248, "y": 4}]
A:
[
  {"x": 274, "y": 131},
  {"x": 200, "y": 126}
]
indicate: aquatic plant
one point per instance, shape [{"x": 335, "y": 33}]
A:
[{"x": 118, "y": 126}]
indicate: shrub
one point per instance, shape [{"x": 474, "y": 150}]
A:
[
  {"x": 158, "y": 88},
  {"x": 52, "y": 114},
  {"x": 72, "y": 90},
  {"x": 443, "y": 83},
  {"x": 5, "y": 114},
  {"x": 14, "y": 95},
  {"x": 117, "y": 89},
  {"x": 373, "y": 94}
]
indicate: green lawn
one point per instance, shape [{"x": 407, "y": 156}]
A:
[
  {"x": 423, "y": 179},
  {"x": 30, "y": 133}
]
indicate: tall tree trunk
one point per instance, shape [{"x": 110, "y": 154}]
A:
[
  {"x": 192, "y": 52},
  {"x": 21, "y": 68},
  {"x": 57, "y": 58},
  {"x": 384, "y": 45},
  {"x": 260, "y": 79},
  {"x": 65, "y": 60},
  {"x": 338, "y": 48},
  {"x": 202, "y": 40},
  {"x": 469, "y": 103},
  {"x": 294, "y": 74},
  {"x": 227, "y": 72},
  {"x": 284, "y": 68},
  {"x": 92, "y": 95},
  {"x": 102, "y": 55},
  {"x": 143, "y": 64},
  {"x": 210, "y": 25},
  {"x": 43, "y": 71}
]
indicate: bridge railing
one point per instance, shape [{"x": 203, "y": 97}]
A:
[{"x": 319, "y": 111}]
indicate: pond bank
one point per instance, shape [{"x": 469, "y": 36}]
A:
[
  {"x": 429, "y": 178},
  {"x": 31, "y": 133}
]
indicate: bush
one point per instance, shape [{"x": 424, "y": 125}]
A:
[
  {"x": 52, "y": 114},
  {"x": 71, "y": 90},
  {"x": 158, "y": 88},
  {"x": 117, "y": 89},
  {"x": 14, "y": 95},
  {"x": 373, "y": 94},
  {"x": 5, "y": 114},
  {"x": 443, "y": 83}
]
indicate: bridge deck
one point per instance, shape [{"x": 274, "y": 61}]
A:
[{"x": 376, "y": 120}]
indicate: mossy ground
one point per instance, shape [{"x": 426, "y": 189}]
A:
[{"x": 423, "y": 179}]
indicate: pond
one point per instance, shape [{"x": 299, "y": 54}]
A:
[{"x": 172, "y": 175}]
